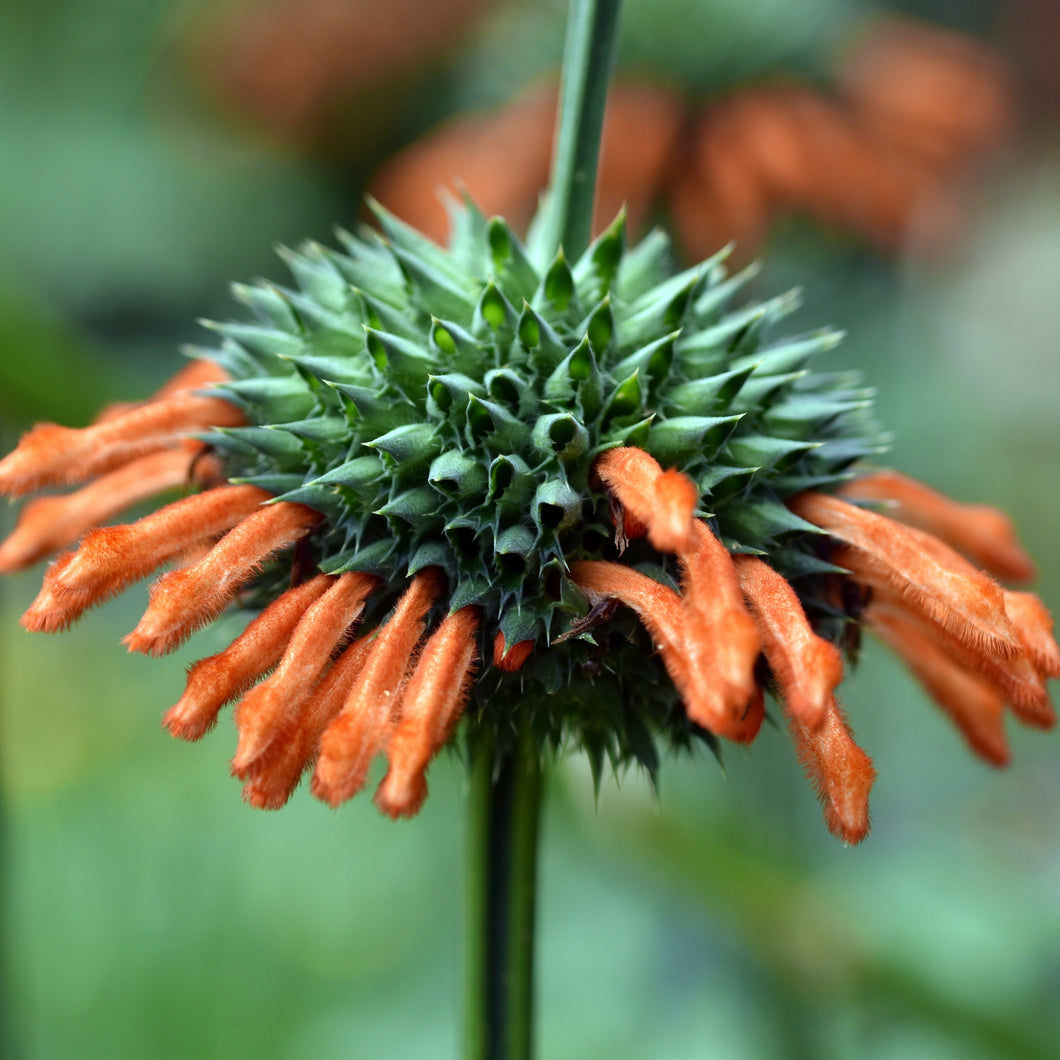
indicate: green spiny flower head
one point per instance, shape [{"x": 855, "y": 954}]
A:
[{"x": 445, "y": 407}]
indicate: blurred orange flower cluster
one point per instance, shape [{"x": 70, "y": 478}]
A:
[{"x": 913, "y": 109}]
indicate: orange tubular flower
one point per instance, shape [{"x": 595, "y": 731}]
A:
[
  {"x": 981, "y": 533},
  {"x": 807, "y": 667},
  {"x": 973, "y": 645},
  {"x": 261, "y": 714},
  {"x": 367, "y": 718},
  {"x": 430, "y": 706}
]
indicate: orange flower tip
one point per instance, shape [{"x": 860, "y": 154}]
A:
[
  {"x": 676, "y": 498},
  {"x": 49, "y": 615},
  {"x": 258, "y": 794},
  {"x": 251, "y": 746},
  {"x": 510, "y": 660},
  {"x": 149, "y": 642},
  {"x": 330, "y": 791},
  {"x": 1036, "y": 714},
  {"x": 846, "y": 810},
  {"x": 401, "y": 794},
  {"x": 183, "y": 722}
]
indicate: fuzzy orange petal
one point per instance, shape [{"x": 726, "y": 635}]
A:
[
  {"x": 1031, "y": 617},
  {"x": 111, "y": 559},
  {"x": 807, "y": 667},
  {"x": 49, "y": 455},
  {"x": 185, "y": 600},
  {"x": 974, "y": 705},
  {"x": 320, "y": 630},
  {"x": 715, "y": 603},
  {"x": 50, "y": 523},
  {"x": 430, "y": 707},
  {"x": 982, "y": 533},
  {"x": 663, "y": 501},
  {"x": 360, "y": 732},
  {"x": 1014, "y": 675},
  {"x": 272, "y": 778},
  {"x": 934, "y": 578},
  {"x": 221, "y": 678},
  {"x": 685, "y": 648},
  {"x": 840, "y": 772}
]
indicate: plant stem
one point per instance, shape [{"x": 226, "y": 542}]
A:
[
  {"x": 587, "y": 59},
  {"x": 504, "y": 803},
  {"x": 504, "y": 812}
]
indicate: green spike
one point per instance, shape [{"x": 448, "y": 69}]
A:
[
  {"x": 595, "y": 271},
  {"x": 706, "y": 396},
  {"x": 486, "y": 420},
  {"x": 556, "y": 506},
  {"x": 560, "y": 435},
  {"x": 680, "y": 438},
  {"x": 275, "y": 398},
  {"x": 494, "y": 319},
  {"x": 434, "y": 291},
  {"x": 763, "y": 451},
  {"x": 324, "y": 284},
  {"x": 263, "y": 343},
  {"x": 412, "y": 443},
  {"x": 404, "y": 361},
  {"x": 651, "y": 361},
  {"x": 644, "y": 266},
  {"x": 414, "y": 505},
  {"x": 403, "y": 237},
  {"x": 448, "y": 394},
  {"x": 457, "y": 474},
  {"x": 268, "y": 305},
  {"x": 540, "y": 340},
  {"x": 512, "y": 269}
]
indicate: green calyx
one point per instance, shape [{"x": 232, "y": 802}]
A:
[{"x": 444, "y": 407}]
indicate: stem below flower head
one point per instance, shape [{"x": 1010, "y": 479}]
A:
[{"x": 504, "y": 807}]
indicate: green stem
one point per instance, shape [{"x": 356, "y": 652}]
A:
[
  {"x": 587, "y": 59},
  {"x": 503, "y": 815}
]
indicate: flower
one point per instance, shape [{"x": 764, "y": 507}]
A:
[{"x": 585, "y": 498}]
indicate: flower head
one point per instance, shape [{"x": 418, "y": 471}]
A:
[{"x": 586, "y": 497}]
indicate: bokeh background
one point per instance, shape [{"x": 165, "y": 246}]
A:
[{"x": 151, "y": 153}]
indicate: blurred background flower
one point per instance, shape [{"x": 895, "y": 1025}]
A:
[{"x": 152, "y": 154}]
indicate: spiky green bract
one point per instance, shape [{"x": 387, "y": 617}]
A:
[{"x": 444, "y": 407}]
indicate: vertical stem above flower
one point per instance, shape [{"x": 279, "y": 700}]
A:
[{"x": 587, "y": 59}]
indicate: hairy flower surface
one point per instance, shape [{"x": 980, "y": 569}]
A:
[{"x": 587, "y": 497}]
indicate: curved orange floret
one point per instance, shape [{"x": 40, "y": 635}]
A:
[
  {"x": 221, "y": 678},
  {"x": 684, "y": 644},
  {"x": 919, "y": 567},
  {"x": 807, "y": 667},
  {"x": 363, "y": 726},
  {"x": 663, "y": 502},
  {"x": 110, "y": 560},
  {"x": 183, "y": 601},
  {"x": 48, "y": 524},
  {"x": 983, "y": 534},
  {"x": 50, "y": 455},
  {"x": 974, "y": 705},
  {"x": 715, "y": 605},
  {"x": 432, "y": 703},
  {"x": 321, "y": 630},
  {"x": 840, "y": 771},
  {"x": 272, "y": 778}
]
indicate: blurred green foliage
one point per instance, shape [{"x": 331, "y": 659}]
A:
[{"x": 148, "y": 913}]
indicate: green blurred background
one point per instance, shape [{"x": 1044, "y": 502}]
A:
[{"x": 148, "y": 913}]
